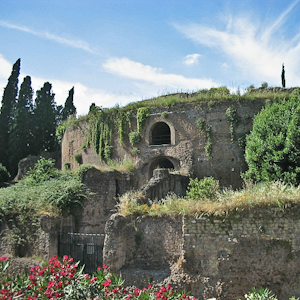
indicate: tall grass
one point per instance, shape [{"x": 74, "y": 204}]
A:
[{"x": 272, "y": 194}]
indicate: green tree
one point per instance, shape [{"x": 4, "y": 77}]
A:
[
  {"x": 45, "y": 121},
  {"x": 6, "y": 114},
  {"x": 20, "y": 138},
  {"x": 273, "y": 147},
  {"x": 69, "y": 108},
  {"x": 4, "y": 175}
]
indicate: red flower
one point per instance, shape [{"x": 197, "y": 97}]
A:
[
  {"x": 107, "y": 282},
  {"x": 3, "y": 258}
]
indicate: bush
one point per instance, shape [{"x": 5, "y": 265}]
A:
[
  {"x": 43, "y": 170},
  {"x": 273, "y": 147},
  {"x": 202, "y": 189},
  {"x": 4, "y": 175},
  {"x": 63, "y": 279}
]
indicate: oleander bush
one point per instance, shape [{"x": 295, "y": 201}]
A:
[{"x": 63, "y": 279}]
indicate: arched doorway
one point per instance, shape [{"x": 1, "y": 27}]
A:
[
  {"x": 162, "y": 163},
  {"x": 160, "y": 134}
]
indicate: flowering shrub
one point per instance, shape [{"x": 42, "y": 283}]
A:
[{"x": 64, "y": 280}]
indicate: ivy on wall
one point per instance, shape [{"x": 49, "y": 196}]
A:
[
  {"x": 232, "y": 118},
  {"x": 103, "y": 123},
  {"x": 206, "y": 130}
]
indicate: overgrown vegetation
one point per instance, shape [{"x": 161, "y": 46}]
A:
[
  {"x": 104, "y": 122},
  {"x": 4, "y": 175},
  {"x": 219, "y": 202},
  {"x": 202, "y": 189},
  {"x": 273, "y": 147},
  {"x": 232, "y": 118},
  {"x": 44, "y": 190},
  {"x": 206, "y": 129},
  {"x": 63, "y": 279}
]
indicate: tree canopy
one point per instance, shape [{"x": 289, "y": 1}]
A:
[
  {"x": 69, "y": 108},
  {"x": 20, "y": 138},
  {"x": 6, "y": 114},
  {"x": 273, "y": 147},
  {"x": 26, "y": 127}
]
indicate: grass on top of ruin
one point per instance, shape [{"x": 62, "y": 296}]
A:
[
  {"x": 209, "y": 96},
  {"x": 223, "y": 201}
]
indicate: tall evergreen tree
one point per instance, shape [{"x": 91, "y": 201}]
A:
[
  {"x": 69, "y": 108},
  {"x": 20, "y": 138},
  {"x": 6, "y": 114},
  {"x": 45, "y": 120}
]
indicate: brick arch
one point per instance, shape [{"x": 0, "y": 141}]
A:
[
  {"x": 163, "y": 162},
  {"x": 160, "y": 132}
]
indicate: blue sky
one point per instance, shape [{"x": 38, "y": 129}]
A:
[{"x": 120, "y": 51}]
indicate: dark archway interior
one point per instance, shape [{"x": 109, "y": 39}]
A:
[
  {"x": 163, "y": 163},
  {"x": 161, "y": 134}
]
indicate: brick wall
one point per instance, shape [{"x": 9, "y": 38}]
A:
[{"x": 241, "y": 250}]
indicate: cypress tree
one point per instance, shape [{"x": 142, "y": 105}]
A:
[
  {"x": 6, "y": 114},
  {"x": 45, "y": 120},
  {"x": 20, "y": 138},
  {"x": 69, "y": 108}
]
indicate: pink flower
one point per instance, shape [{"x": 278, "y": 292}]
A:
[
  {"x": 93, "y": 279},
  {"x": 3, "y": 258},
  {"x": 107, "y": 282},
  {"x": 105, "y": 266},
  {"x": 65, "y": 258}
]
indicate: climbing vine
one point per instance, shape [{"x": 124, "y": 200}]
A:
[
  {"x": 100, "y": 134},
  {"x": 123, "y": 119},
  {"x": 141, "y": 115},
  {"x": 206, "y": 130},
  {"x": 103, "y": 123},
  {"x": 233, "y": 120}
]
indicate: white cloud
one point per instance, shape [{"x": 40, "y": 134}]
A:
[
  {"x": 258, "y": 52},
  {"x": 84, "y": 96},
  {"x": 192, "y": 59},
  {"x": 74, "y": 43},
  {"x": 130, "y": 69}
]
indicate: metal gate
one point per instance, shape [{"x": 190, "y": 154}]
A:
[{"x": 84, "y": 248}]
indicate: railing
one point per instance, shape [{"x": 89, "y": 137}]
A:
[{"x": 86, "y": 248}]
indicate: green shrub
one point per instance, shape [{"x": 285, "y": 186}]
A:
[
  {"x": 42, "y": 171},
  {"x": 44, "y": 190},
  {"x": 4, "y": 175},
  {"x": 202, "y": 189},
  {"x": 134, "y": 138},
  {"x": 273, "y": 147}
]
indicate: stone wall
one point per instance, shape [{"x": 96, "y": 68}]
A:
[
  {"x": 186, "y": 150},
  {"x": 236, "y": 252},
  {"x": 162, "y": 183},
  {"x": 42, "y": 242}
]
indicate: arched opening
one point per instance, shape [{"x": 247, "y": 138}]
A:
[
  {"x": 160, "y": 163},
  {"x": 161, "y": 134}
]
